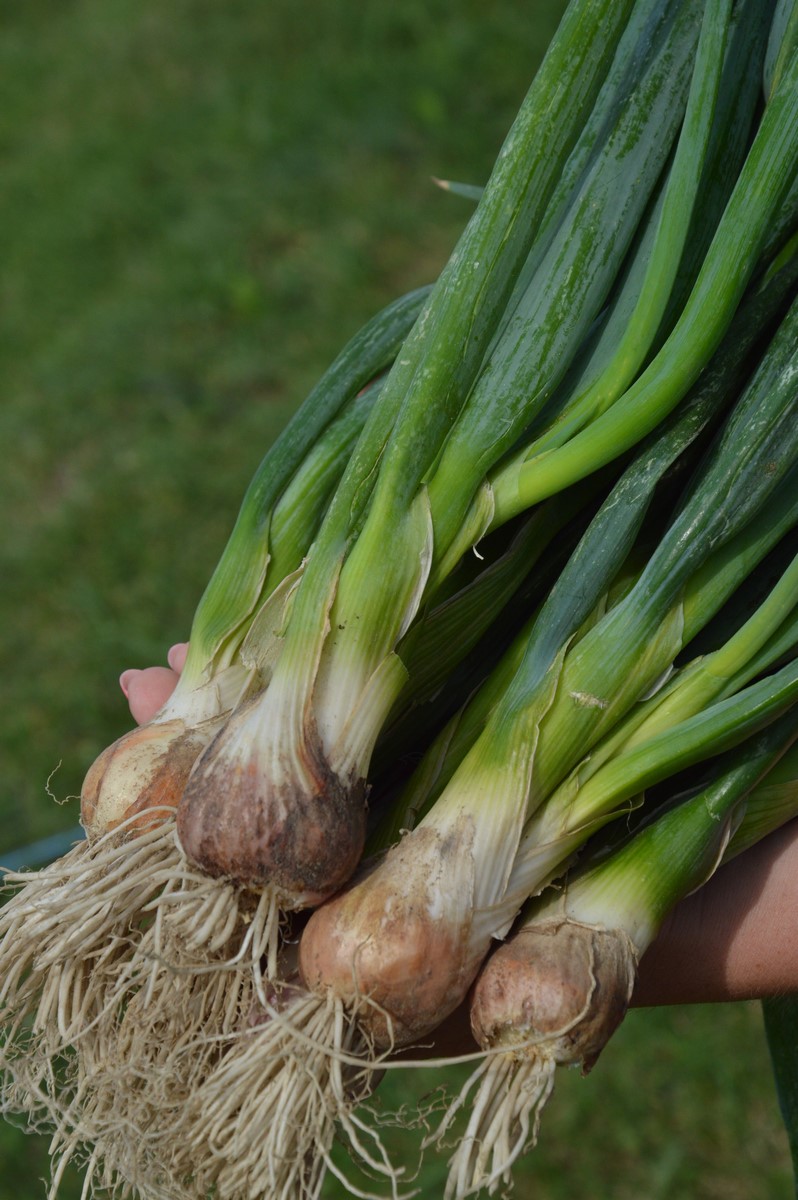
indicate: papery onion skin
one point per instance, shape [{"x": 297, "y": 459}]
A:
[
  {"x": 562, "y": 987},
  {"x": 305, "y": 842},
  {"x": 143, "y": 772},
  {"x": 395, "y": 945}
]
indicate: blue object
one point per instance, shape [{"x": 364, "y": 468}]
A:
[{"x": 37, "y": 854}]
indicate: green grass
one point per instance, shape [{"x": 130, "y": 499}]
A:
[{"x": 200, "y": 203}]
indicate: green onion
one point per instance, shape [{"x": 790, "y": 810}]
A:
[
  {"x": 459, "y": 877},
  {"x": 555, "y": 992},
  {"x": 762, "y": 186},
  {"x": 147, "y": 768},
  {"x": 609, "y": 540},
  {"x": 302, "y": 755},
  {"x": 662, "y": 258},
  {"x": 605, "y": 325}
]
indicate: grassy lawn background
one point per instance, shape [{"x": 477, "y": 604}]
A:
[{"x": 200, "y": 203}]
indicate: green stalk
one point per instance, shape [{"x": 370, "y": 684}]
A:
[
  {"x": 647, "y": 23},
  {"x": 237, "y": 584},
  {"x": 442, "y": 636},
  {"x": 300, "y": 509},
  {"x": 772, "y": 803},
  {"x": 567, "y": 293},
  {"x": 782, "y": 240},
  {"x": 603, "y": 548},
  {"x": 574, "y": 603},
  {"x": 281, "y": 512},
  {"x": 673, "y": 221},
  {"x": 730, "y": 262},
  {"x": 679, "y": 746},
  {"x": 623, "y": 656},
  {"x": 461, "y": 864},
  {"x": 315, "y": 728},
  {"x": 718, "y": 578},
  {"x": 764, "y": 638},
  {"x": 738, "y": 110},
  {"x": 464, "y": 629},
  {"x": 728, "y": 143},
  {"x": 782, "y": 44},
  {"x": 707, "y": 592},
  {"x": 678, "y": 849}
]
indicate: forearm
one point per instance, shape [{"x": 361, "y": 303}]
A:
[{"x": 736, "y": 938}]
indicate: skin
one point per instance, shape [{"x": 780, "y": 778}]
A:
[
  {"x": 145, "y": 691},
  {"x": 736, "y": 938}
]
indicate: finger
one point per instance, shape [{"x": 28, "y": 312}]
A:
[
  {"x": 147, "y": 690},
  {"x": 177, "y": 656}
]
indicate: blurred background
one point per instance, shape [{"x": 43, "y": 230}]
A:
[{"x": 200, "y": 203}]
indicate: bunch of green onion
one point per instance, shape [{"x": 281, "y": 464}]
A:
[{"x": 599, "y": 397}]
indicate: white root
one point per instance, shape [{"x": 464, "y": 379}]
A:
[
  {"x": 144, "y": 1071},
  {"x": 511, "y": 1092},
  {"x": 132, "y": 1076},
  {"x": 111, "y": 1015},
  {"x": 64, "y": 939},
  {"x": 264, "y": 1120},
  {"x": 205, "y": 925},
  {"x": 144, "y": 1028},
  {"x": 77, "y": 913}
]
